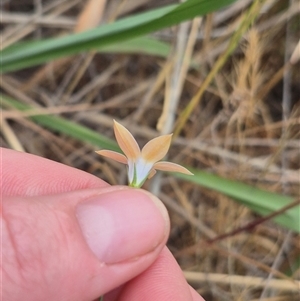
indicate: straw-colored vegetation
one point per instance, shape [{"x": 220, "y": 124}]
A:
[{"x": 222, "y": 82}]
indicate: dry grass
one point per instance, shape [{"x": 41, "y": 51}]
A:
[{"x": 246, "y": 127}]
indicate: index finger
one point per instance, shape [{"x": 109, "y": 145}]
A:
[{"x": 29, "y": 175}]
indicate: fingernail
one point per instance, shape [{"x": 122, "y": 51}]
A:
[{"x": 122, "y": 225}]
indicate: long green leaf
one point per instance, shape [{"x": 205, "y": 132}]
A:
[
  {"x": 64, "y": 126},
  {"x": 260, "y": 201},
  {"x": 140, "y": 45},
  {"x": 144, "y": 45},
  {"x": 128, "y": 28}
]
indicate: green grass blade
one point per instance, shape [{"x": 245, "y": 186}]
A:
[
  {"x": 141, "y": 45},
  {"x": 64, "y": 126},
  {"x": 258, "y": 200},
  {"x": 34, "y": 53}
]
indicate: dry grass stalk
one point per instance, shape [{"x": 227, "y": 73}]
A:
[
  {"x": 247, "y": 19},
  {"x": 11, "y": 137},
  {"x": 91, "y": 15},
  {"x": 245, "y": 108},
  {"x": 243, "y": 281},
  {"x": 296, "y": 54},
  {"x": 166, "y": 120}
]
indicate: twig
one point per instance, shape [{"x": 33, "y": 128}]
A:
[{"x": 255, "y": 223}]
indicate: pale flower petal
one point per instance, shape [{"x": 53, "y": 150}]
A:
[
  {"x": 151, "y": 173},
  {"x": 131, "y": 171},
  {"x": 142, "y": 169},
  {"x": 113, "y": 155},
  {"x": 126, "y": 142},
  {"x": 172, "y": 167},
  {"x": 156, "y": 148}
]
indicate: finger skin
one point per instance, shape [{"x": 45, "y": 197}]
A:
[
  {"x": 45, "y": 256},
  {"x": 28, "y": 175},
  {"x": 163, "y": 280}
]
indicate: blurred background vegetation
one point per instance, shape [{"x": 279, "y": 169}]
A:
[{"x": 223, "y": 75}]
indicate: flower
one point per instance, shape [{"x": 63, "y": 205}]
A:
[{"x": 142, "y": 164}]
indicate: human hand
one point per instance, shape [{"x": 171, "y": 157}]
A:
[{"x": 68, "y": 236}]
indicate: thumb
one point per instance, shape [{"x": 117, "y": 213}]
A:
[{"x": 79, "y": 245}]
